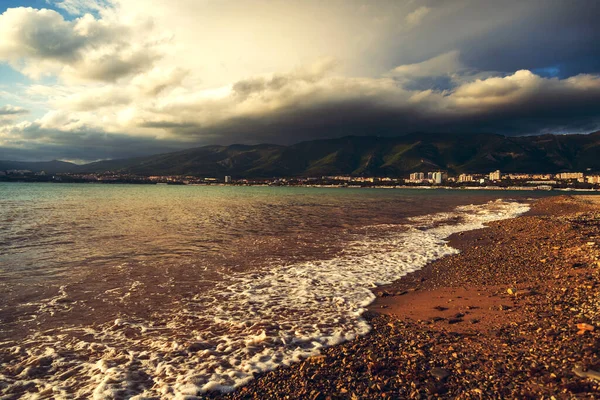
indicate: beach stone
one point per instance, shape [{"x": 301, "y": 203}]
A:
[
  {"x": 317, "y": 396},
  {"x": 197, "y": 346},
  {"x": 511, "y": 291},
  {"x": 585, "y": 327},
  {"x": 440, "y": 373},
  {"x": 586, "y": 374},
  {"x": 317, "y": 359}
]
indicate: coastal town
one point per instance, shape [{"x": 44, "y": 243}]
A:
[{"x": 432, "y": 179}]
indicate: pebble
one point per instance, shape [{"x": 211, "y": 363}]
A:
[
  {"x": 440, "y": 373},
  {"x": 530, "y": 353}
]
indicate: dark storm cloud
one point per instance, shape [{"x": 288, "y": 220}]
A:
[
  {"x": 564, "y": 35},
  {"x": 507, "y": 35},
  {"x": 359, "y": 118},
  {"x": 520, "y": 104}
]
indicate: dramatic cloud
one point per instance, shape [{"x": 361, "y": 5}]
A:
[
  {"x": 522, "y": 103},
  {"x": 311, "y": 104},
  {"x": 113, "y": 78},
  {"x": 41, "y": 42}
]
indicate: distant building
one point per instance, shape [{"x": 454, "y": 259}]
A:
[
  {"x": 337, "y": 178},
  {"x": 437, "y": 177},
  {"x": 541, "y": 177},
  {"x": 569, "y": 175},
  {"x": 417, "y": 177},
  {"x": 496, "y": 175},
  {"x": 227, "y": 179},
  {"x": 519, "y": 177},
  {"x": 595, "y": 179},
  {"x": 368, "y": 179},
  {"x": 465, "y": 178}
]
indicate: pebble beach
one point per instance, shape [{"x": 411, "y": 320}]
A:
[{"x": 514, "y": 315}]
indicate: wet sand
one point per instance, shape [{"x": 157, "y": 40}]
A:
[{"x": 515, "y": 315}]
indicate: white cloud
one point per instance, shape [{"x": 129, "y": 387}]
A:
[
  {"x": 40, "y": 34},
  {"x": 81, "y": 7},
  {"x": 42, "y": 42},
  {"x": 12, "y": 110}
]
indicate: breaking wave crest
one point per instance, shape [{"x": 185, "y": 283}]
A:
[{"x": 220, "y": 338}]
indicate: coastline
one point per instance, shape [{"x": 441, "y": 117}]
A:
[
  {"x": 453, "y": 329},
  {"x": 566, "y": 191}
]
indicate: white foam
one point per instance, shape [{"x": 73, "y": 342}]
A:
[{"x": 275, "y": 316}]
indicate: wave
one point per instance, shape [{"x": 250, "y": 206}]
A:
[{"x": 221, "y": 338}]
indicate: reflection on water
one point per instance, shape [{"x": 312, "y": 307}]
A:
[{"x": 115, "y": 291}]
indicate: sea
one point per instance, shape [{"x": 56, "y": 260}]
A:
[{"x": 157, "y": 291}]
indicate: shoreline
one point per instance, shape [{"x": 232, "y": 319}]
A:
[
  {"x": 563, "y": 191},
  {"x": 456, "y": 327}
]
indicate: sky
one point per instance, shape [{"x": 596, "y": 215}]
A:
[{"x": 86, "y": 80}]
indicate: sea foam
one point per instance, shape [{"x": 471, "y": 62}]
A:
[{"x": 221, "y": 338}]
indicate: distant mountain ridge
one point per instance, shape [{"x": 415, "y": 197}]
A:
[
  {"x": 363, "y": 156},
  {"x": 51, "y": 167}
]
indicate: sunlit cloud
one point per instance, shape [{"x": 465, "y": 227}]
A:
[{"x": 172, "y": 76}]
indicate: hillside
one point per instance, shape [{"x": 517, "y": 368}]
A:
[
  {"x": 363, "y": 155},
  {"x": 50, "y": 167}
]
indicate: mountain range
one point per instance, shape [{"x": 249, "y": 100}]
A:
[{"x": 359, "y": 156}]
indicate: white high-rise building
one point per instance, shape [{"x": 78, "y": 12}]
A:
[
  {"x": 228, "y": 179},
  {"x": 465, "y": 178},
  {"x": 417, "y": 176},
  {"x": 496, "y": 175}
]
